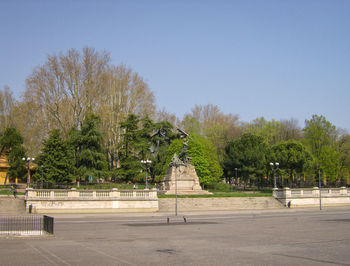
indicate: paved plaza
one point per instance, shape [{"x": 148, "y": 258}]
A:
[{"x": 280, "y": 237}]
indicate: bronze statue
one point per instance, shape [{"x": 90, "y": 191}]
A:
[{"x": 183, "y": 155}]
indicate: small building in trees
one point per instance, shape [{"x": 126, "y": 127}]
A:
[{"x": 4, "y": 165}]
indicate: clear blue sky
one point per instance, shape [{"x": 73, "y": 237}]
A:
[{"x": 279, "y": 59}]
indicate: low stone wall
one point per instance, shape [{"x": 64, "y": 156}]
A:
[
  {"x": 11, "y": 205},
  {"x": 310, "y": 197},
  {"x": 90, "y": 201},
  {"x": 219, "y": 204},
  {"x": 107, "y": 201}
]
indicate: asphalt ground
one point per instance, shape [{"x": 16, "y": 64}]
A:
[{"x": 279, "y": 237}]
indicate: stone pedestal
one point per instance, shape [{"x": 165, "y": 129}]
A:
[{"x": 186, "y": 178}]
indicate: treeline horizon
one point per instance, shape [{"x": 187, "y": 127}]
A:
[{"x": 69, "y": 86}]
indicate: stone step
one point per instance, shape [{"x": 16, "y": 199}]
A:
[
  {"x": 186, "y": 192},
  {"x": 11, "y": 205},
  {"x": 217, "y": 204}
]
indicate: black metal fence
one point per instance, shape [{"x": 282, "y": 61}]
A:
[
  {"x": 26, "y": 225},
  {"x": 48, "y": 224}
]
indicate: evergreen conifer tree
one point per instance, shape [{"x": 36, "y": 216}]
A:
[
  {"x": 91, "y": 158},
  {"x": 136, "y": 146},
  {"x": 130, "y": 165},
  {"x": 55, "y": 162}
]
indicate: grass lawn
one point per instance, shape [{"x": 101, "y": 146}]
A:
[
  {"x": 7, "y": 192},
  {"x": 4, "y": 190},
  {"x": 217, "y": 194},
  {"x": 111, "y": 185}
]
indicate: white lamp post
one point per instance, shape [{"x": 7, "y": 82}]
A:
[
  {"x": 146, "y": 163},
  {"x": 274, "y": 168},
  {"x": 28, "y": 159}
]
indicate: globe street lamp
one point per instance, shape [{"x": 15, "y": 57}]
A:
[
  {"x": 236, "y": 176},
  {"x": 146, "y": 163},
  {"x": 274, "y": 168},
  {"x": 28, "y": 159}
]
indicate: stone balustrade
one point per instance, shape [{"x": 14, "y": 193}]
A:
[
  {"x": 73, "y": 200},
  {"x": 307, "y": 197},
  {"x": 73, "y": 193}
]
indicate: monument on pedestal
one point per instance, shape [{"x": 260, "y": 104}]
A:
[{"x": 181, "y": 177}]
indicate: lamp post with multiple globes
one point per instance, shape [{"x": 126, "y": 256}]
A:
[
  {"x": 274, "y": 166},
  {"x": 28, "y": 159},
  {"x": 146, "y": 163}
]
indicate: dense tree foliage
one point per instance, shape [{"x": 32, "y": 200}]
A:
[
  {"x": 318, "y": 135},
  {"x": 56, "y": 161},
  {"x": 11, "y": 143},
  {"x": 143, "y": 140},
  {"x": 248, "y": 154},
  {"x": 64, "y": 91},
  {"x": 292, "y": 157},
  {"x": 130, "y": 165},
  {"x": 274, "y": 131},
  {"x": 344, "y": 150},
  {"x": 91, "y": 158},
  {"x": 203, "y": 155},
  {"x": 321, "y": 137}
]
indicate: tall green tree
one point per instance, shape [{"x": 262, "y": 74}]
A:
[
  {"x": 210, "y": 153},
  {"x": 292, "y": 157},
  {"x": 56, "y": 160},
  {"x": 90, "y": 153},
  {"x": 321, "y": 138},
  {"x": 344, "y": 149},
  {"x": 11, "y": 144},
  {"x": 130, "y": 165},
  {"x": 318, "y": 134},
  {"x": 143, "y": 139},
  {"x": 130, "y": 136},
  {"x": 144, "y": 135},
  {"x": 9, "y": 139},
  {"x": 330, "y": 162},
  {"x": 248, "y": 155}
]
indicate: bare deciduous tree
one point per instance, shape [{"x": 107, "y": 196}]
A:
[
  {"x": 290, "y": 129},
  {"x": 210, "y": 122},
  {"x": 7, "y": 103},
  {"x": 67, "y": 86},
  {"x": 163, "y": 115},
  {"x": 124, "y": 93}
]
